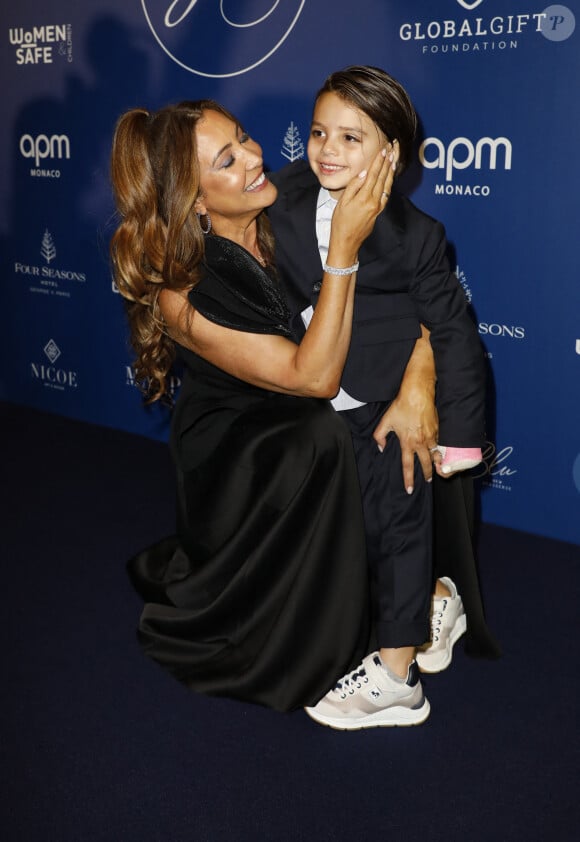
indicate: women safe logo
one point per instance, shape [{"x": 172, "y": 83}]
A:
[{"x": 219, "y": 39}]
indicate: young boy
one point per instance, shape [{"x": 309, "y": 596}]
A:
[{"x": 404, "y": 281}]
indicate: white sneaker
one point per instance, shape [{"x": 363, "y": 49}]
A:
[
  {"x": 448, "y": 623},
  {"x": 372, "y": 697}
]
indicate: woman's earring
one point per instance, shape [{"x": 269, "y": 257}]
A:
[{"x": 208, "y": 217}]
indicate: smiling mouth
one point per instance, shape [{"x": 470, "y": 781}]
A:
[
  {"x": 330, "y": 169},
  {"x": 257, "y": 183}
]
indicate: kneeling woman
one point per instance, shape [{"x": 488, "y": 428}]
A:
[{"x": 262, "y": 593}]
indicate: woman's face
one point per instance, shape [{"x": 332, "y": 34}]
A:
[
  {"x": 343, "y": 141},
  {"x": 234, "y": 187}
]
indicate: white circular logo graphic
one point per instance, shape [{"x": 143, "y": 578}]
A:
[
  {"x": 576, "y": 472},
  {"x": 558, "y": 24},
  {"x": 205, "y": 38}
]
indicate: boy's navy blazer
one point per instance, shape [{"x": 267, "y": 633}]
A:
[{"x": 404, "y": 280}]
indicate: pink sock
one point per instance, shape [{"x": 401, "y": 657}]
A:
[{"x": 459, "y": 458}]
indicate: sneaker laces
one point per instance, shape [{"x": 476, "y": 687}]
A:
[
  {"x": 436, "y": 620},
  {"x": 351, "y": 681}
]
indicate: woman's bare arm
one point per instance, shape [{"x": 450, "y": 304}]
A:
[
  {"x": 412, "y": 415},
  {"x": 314, "y": 367}
]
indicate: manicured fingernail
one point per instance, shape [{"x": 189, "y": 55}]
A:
[
  {"x": 384, "y": 153},
  {"x": 410, "y": 489},
  {"x": 380, "y": 448},
  {"x": 362, "y": 174},
  {"x": 430, "y": 479}
]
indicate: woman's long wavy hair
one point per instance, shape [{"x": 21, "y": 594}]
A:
[{"x": 159, "y": 243}]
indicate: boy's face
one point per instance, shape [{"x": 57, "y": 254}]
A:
[{"x": 343, "y": 141}]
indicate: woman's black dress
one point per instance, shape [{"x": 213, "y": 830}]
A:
[{"x": 262, "y": 594}]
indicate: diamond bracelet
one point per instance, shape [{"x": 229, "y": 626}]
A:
[{"x": 332, "y": 270}]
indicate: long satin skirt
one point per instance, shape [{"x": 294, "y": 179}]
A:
[{"x": 263, "y": 593}]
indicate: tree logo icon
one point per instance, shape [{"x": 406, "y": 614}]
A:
[
  {"x": 292, "y": 147},
  {"x": 47, "y": 249}
]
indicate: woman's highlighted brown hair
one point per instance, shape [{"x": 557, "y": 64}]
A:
[{"x": 159, "y": 243}]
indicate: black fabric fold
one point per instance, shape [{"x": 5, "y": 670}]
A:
[{"x": 262, "y": 593}]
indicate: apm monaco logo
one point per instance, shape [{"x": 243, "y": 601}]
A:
[
  {"x": 461, "y": 153},
  {"x": 496, "y": 470},
  {"x": 486, "y": 34},
  {"x": 51, "y": 376},
  {"x": 189, "y": 36},
  {"x": 292, "y": 146},
  {"x": 37, "y": 45},
  {"x": 47, "y": 279},
  {"x": 43, "y": 148}
]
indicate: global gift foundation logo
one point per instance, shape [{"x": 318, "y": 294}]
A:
[
  {"x": 189, "y": 34},
  {"x": 477, "y": 33},
  {"x": 50, "y": 375}
]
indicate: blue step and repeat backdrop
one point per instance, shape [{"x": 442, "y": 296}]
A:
[{"x": 496, "y": 84}]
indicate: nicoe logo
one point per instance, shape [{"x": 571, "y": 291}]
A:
[
  {"x": 43, "y": 147},
  {"x": 52, "y": 376},
  {"x": 462, "y": 153}
]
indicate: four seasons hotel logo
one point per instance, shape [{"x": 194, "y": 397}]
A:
[{"x": 49, "y": 280}]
